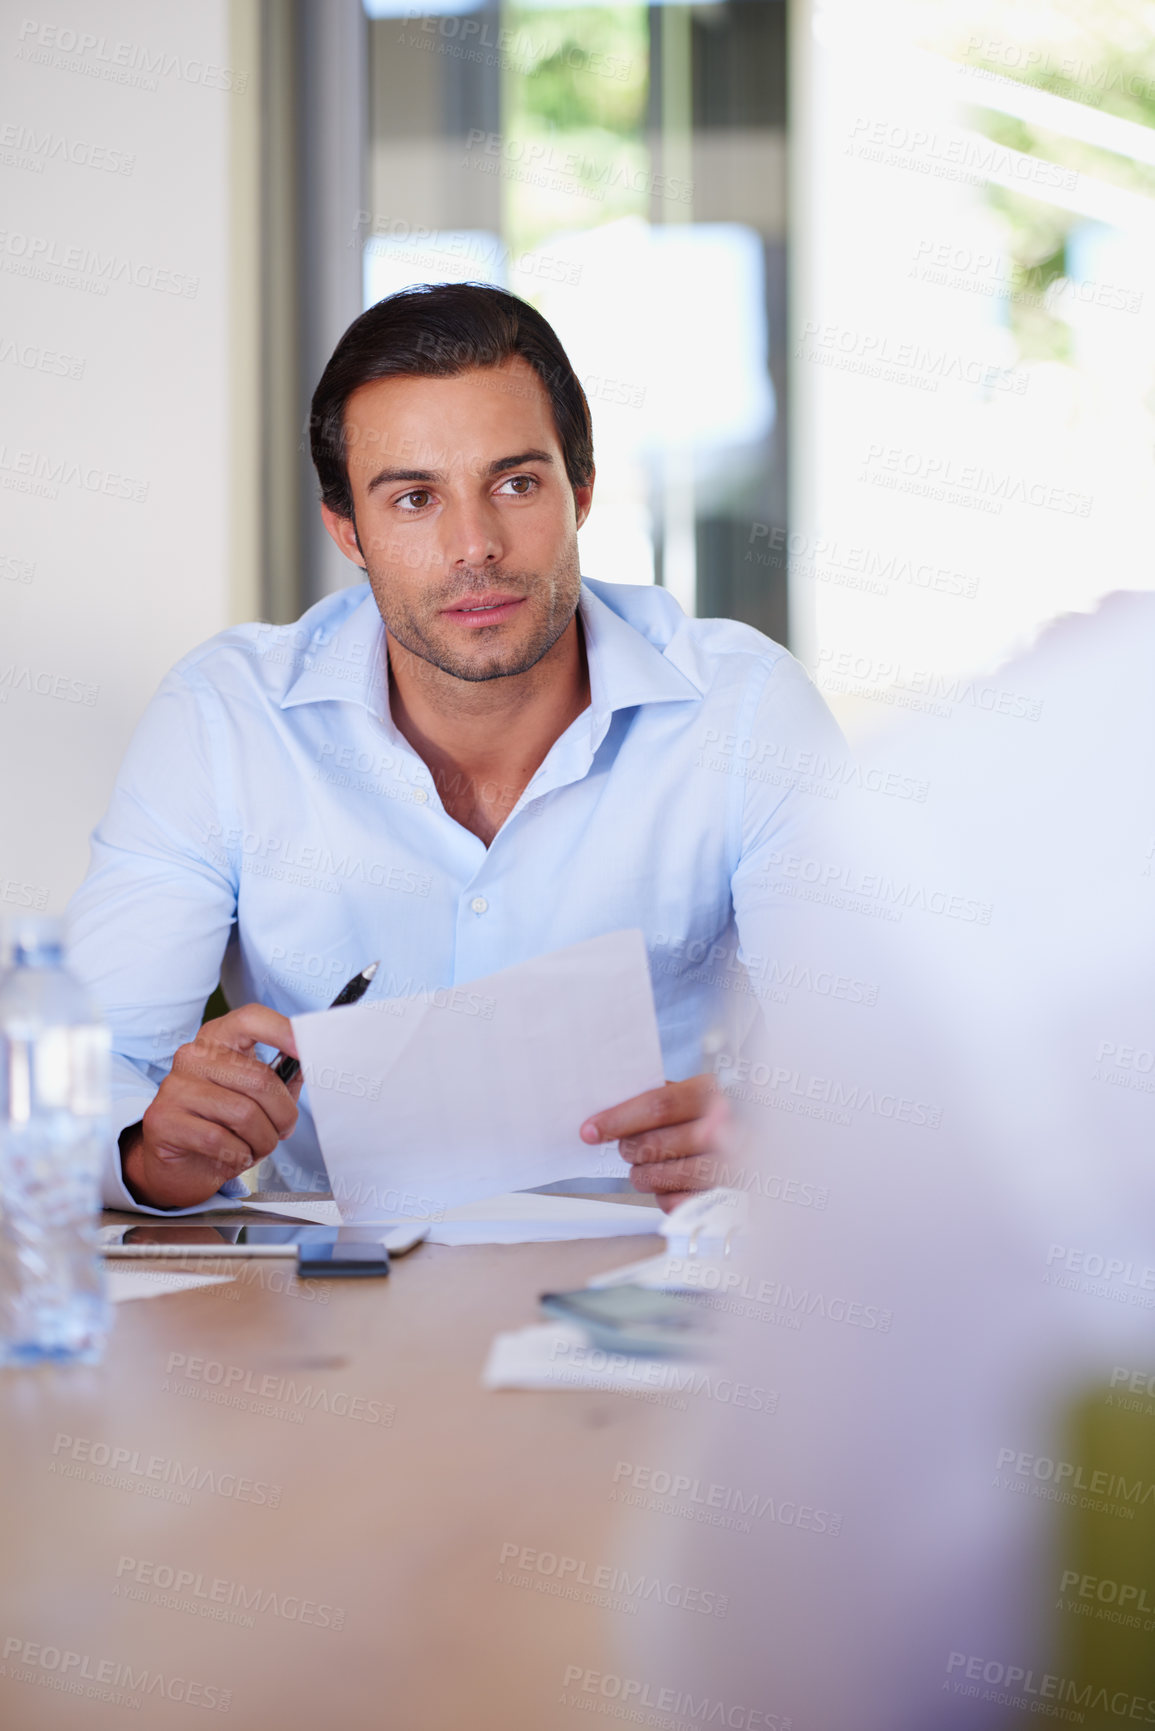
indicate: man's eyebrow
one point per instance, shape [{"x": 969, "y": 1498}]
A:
[
  {"x": 385, "y": 477},
  {"x": 503, "y": 463}
]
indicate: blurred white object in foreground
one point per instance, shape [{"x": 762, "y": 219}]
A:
[{"x": 952, "y": 1168}]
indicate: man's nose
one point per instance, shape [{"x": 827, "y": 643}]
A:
[{"x": 473, "y": 534}]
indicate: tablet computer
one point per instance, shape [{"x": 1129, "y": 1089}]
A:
[{"x": 238, "y": 1238}]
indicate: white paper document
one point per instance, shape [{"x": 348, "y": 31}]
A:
[
  {"x": 555, "y": 1355},
  {"x": 324, "y": 1213},
  {"x": 524, "y": 1218},
  {"x": 519, "y": 1217},
  {"x": 425, "y": 1103}
]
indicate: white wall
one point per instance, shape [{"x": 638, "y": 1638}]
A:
[{"x": 114, "y": 157}]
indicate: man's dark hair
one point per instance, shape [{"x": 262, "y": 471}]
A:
[{"x": 439, "y": 330}]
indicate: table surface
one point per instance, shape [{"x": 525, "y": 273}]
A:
[{"x": 289, "y": 1502}]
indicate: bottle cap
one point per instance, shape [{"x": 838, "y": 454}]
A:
[{"x": 33, "y": 937}]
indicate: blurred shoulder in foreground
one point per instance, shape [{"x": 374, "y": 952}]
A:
[{"x": 950, "y": 1281}]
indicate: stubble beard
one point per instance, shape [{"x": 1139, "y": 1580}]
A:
[{"x": 553, "y": 600}]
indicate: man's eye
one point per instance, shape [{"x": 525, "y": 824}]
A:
[
  {"x": 417, "y": 500},
  {"x": 521, "y": 484}
]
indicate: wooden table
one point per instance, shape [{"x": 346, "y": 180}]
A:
[{"x": 289, "y": 1505}]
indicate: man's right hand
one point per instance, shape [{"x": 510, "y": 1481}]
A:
[{"x": 218, "y": 1112}]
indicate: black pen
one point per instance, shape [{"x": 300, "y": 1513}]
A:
[{"x": 284, "y": 1066}]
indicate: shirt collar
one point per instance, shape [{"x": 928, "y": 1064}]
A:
[
  {"x": 626, "y": 669},
  {"x": 346, "y": 663}
]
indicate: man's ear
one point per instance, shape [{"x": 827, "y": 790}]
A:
[
  {"x": 583, "y": 498},
  {"x": 344, "y": 533}
]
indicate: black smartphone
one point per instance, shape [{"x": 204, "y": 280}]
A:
[{"x": 341, "y": 1256}]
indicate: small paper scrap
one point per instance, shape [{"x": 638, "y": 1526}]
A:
[{"x": 554, "y": 1355}]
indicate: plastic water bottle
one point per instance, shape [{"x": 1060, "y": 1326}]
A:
[{"x": 54, "y": 1131}]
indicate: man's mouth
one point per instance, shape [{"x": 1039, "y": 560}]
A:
[{"x": 475, "y": 610}]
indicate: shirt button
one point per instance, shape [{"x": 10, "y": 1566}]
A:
[
  {"x": 479, "y": 904},
  {"x": 419, "y": 796}
]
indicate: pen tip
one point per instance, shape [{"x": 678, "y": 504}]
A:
[{"x": 367, "y": 973}]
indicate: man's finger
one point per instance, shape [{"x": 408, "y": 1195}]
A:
[
  {"x": 237, "y": 1072},
  {"x": 672, "y": 1142},
  {"x": 666, "y": 1203},
  {"x": 251, "y": 1025},
  {"x": 660, "y": 1177},
  {"x": 184, "y": 1134},
  {"x": 236, "y": 1112},
  {"x": 672, "y": 1103}
]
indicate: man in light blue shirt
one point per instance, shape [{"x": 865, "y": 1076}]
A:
[{"x": 472, "y": 759}]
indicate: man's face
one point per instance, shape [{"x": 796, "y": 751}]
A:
[{"x": 465, "y": 517}]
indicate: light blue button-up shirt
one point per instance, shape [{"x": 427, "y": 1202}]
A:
[{"x": 272, "y": 828}]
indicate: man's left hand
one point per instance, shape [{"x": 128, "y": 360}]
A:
[{"x": 669, "y": 1136}]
